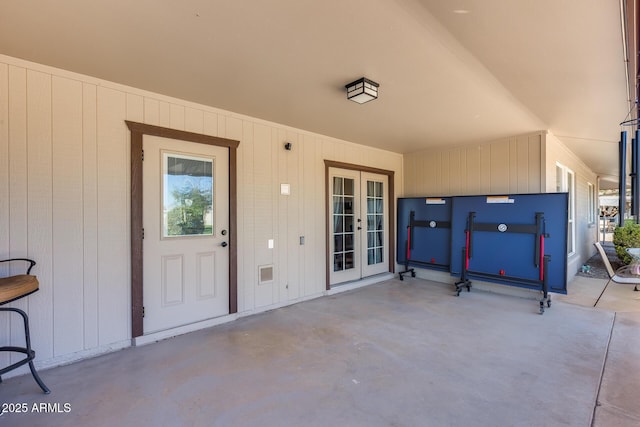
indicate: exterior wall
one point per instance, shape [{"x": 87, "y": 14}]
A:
[
  {"x": 509, "y": 165},
  {"x": 586, "y": 234},
  {"x": 64, "y": 201}
]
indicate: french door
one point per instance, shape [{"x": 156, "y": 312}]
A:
[{"x": 359, "y": 224}]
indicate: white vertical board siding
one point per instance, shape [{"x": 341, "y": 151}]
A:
[
  {"x": 113, "y": 218},
  {"x": 248, "y": 216},
  {"x": 473, "y": 182},
  {"x": 164, "y": 114},
  {"x": 193, "y": 120},
  {"x": 18, "y": 187},
  {"x": 536, "y": 156},
  {"x": 65, "y": 201},
  {"x": 135, "y": 108},
  {"x": 499, "y": 167},
  {"x": 292, "y": 164},
  {"x": 152, "y": 111},
  {"x": 210, "y": 124},
  {"x": 586, "y": 234},
  {"x": 455, "y": 166},
  {"x": 522, "y": 172},
  {"x": 312, "y": 217},
  {"x": 90, "y": 214},
  {"x": 262, "y": 215},
  {"x": 67, "y": 221},
  {"x": 270, "y": 290},
  {"x": 176, "y": 117},
  {"x": 283, "y": 220},
  {"x": 4, "y": 199},
  {"x": 511, "y": 165}
]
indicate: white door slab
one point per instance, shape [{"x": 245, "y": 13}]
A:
[{"x": 186, "y": 223}]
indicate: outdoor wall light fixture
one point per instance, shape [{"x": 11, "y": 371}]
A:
[{"x": 362, "y": 90}]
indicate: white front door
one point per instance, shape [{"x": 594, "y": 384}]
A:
[
  {"x": 359, "y": 224},
  {"x": 186, "y": 223}
]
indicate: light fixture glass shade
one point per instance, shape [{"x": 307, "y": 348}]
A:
[{"x": 362, "y": 90}]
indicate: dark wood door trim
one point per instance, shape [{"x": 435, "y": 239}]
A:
[
  {"x": 390, "y": 204},
  {"x": 138, "y": 130}
]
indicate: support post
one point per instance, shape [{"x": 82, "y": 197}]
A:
[
  {"x": 632, "y": 175},
  {"x": 622, "y": 188},
  {"x": 635, "y": 195}
]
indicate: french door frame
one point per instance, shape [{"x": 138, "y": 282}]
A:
[
  {"x": 138, "y": 130},
  {"x": 390, "y": 209}
]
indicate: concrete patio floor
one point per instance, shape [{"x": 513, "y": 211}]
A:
[{"x": 395, "y": 353}]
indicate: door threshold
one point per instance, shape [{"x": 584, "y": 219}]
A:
[
  {"x": 181, "y": 330},
  {"x": 355, "y": 284}
]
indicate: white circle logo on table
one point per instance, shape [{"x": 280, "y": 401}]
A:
[
  {"x": 502, "y": 228},
  {"x": 432, "y": 224}
]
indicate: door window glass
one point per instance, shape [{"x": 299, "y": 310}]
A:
[{"x": 187, "y": 196}]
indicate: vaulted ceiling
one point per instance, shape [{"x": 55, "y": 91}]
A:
[{"x": 451, "y": 72}]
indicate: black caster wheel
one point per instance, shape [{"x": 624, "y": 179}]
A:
[
  {"x": 413, "y": 274},
  {"x": 468, "y": 288},
  {"x": 541, "y": 307},
  {"x": 401, "y": 278},
  {"x": 549, "y": 303}
]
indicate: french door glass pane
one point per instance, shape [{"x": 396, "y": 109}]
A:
[
  {"x": 348, "y": 242},
  {"x": 349, "y": 185},
  {"x": 337, "y": 185},
  {"x": 348, "y": 223},
  {"x": 338, "y": 223},
  {"x": 337, "y": 204},
  {"x": 375, "y": 228},
  {"x": 343, "y": 223},
  {"x": 348, "y": 205},
  {"x": 349, "y": 260},
  {"x": 378, "y": 191}
]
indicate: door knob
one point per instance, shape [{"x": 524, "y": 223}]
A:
[{"x": 224, "y": 244}]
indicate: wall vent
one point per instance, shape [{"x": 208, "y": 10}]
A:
[{"x": 265, "y": 274}]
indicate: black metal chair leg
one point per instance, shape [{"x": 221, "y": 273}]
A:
[
  {"x": 30, "y": 353},
  {"x": 36, "y": 377}
]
